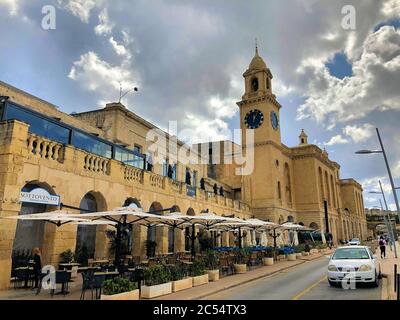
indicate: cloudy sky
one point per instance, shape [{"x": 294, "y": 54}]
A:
[{"x": 188, "y": 57}]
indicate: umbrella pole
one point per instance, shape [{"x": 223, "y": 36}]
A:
[
  {"x": 193, "y": 237},
  {"x": 118, "y": 245},
  {"x": 240, "y": 238}
]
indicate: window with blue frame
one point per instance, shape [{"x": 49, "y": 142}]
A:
[
  {"x": 38, "y": 125},
  {"x": 129, "y": 157},
  {"x": 91, "y": 144}
]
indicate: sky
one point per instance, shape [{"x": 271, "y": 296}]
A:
[{"x": 187, "y": 59}]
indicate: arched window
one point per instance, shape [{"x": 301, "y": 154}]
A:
[
  {"x": 321, "y": 185},
  {"x": 279, "y": 190},
  {"x": 328, "y": 193},
  {"x": 333, "y": 192},
  {"x": 288, "y": 185},
  {"x": 254, "y": 84}
]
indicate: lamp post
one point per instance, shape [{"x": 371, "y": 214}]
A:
[
  {"x": 387, "y": 167},
  {"x": 389, "y": 221}
]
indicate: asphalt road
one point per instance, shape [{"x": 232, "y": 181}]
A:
[{"x": 304, "y": 282}]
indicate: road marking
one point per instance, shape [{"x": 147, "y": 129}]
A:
[{"x": 298, "y": 296}]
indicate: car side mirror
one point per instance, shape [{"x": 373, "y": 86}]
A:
[{"x": 374, "y": 256}]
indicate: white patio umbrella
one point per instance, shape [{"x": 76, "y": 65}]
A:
[
  {"x": 58, "y": 217},
  {"x": 293, "y": 226},
  {"x": 264, "y": 239},
  {"x": 296, "y": 238},
  {"x": 323, "y": 236},
  {"x": 279, "y": 240}
]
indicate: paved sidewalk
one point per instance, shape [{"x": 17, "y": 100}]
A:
[
  {"x": 387, "y": 269},
  {"x": 229, "y": 282}
]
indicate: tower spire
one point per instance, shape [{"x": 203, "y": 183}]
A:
[{"x": 256, "y": 47}]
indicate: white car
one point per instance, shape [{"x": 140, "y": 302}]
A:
[
  {"x": 354, "y": 242},
  {"x": 354, "y": 263}
]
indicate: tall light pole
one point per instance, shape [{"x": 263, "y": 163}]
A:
[{"x": 387, "y": 167}]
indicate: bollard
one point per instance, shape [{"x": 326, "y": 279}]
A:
[
  {"x": 398, "y": 284},
  {"x": 395, "y": 278}
]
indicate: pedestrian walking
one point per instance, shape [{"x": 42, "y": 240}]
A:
[
  {"x": 382, "y": 247},
  {"x": 37, "y": 266}
]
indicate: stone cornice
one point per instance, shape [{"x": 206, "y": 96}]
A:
[{"x": 264, "y": 98}]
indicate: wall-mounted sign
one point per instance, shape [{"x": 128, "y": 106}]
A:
[{"x": 39, "y": 195}]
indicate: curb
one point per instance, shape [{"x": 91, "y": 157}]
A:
[{"x": 253, "y": 279}]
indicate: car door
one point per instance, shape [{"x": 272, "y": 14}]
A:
[{"x": 375, "y": 261}]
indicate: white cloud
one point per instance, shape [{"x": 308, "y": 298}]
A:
[
  {"x": 104, "y": 27},
  {"x": 118, "y": 48},
  {"x": 391, "y": 8},
  {"x": 374, "y": 85},
  {"x": 338, "y": 139},
  {"x": 396, "y": 170},
  {"x": 359, "y": 134},
  {"x": 12, "y": 6},
  {"x": 97, "y": 75},
  {"x": 80, "y": 8}
]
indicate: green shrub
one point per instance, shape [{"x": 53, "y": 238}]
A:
[
  {"x": 157, "y": 275},
  {"x": 205, "y": 242},
  {"x": 270, "y": 253},
  {"x": 66, "y": 256},
  {"x": 211, "y": 260},
  {"x": 299, "y": 249},
  {"x": 307, "y": 247},
  {"x": 198, "y": 268},
  {"x": 241, "y": 256},
  {"x": 82, "y": 256},
  {"x": 178, "y": 272},
  {"x": 118, "y": 285}
]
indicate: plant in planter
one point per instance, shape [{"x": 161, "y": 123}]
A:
[
  {"x": 205, "y": 242},
  {"x": 179, "y": 278},
  {"x": 211, "y": 262},
  {"x": 198, "y": 272},
  {"x": 269, "y": 256},
  {"x": 150, "y": 248},
  {"x": 66, "y": 256},
  {"x": 157, "y": 282},
  {"x": 119, "y": 289},
  {"x": 299, "y": 248},
  {"x": 241, "y": 259}
]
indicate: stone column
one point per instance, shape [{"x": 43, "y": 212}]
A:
[
  {"x": 179, "y": 240},
  {"x": 225, "y": 239},
  {"x": 232, "y": 239},
  {"x": 13, "y": 153},
  {"x": 162, "y": 240},
  {"x": 219, "y": 239},
  {"x": 139, "y": 241}
]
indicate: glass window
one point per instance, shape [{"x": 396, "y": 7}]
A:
[
  {"x": 137, "y": 149},
  {"x": 91, "y": 144},
  {"x": 129, "y": 158},
  {"x": 38, "y": 125},
  {"x": 350, "y": 253}
]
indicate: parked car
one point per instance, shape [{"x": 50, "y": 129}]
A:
[
  {"x": 357, "y": 263},
  {"x": 354, "y": 242}
]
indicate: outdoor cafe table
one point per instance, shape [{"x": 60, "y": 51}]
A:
[{"x": 69, "y": 265}]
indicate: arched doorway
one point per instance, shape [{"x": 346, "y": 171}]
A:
[
  {"x": 86, "y": 235},
  {"x": 132, "y": 203},
  {"x": 128, "y": 232},
  {"x": 30, "y": 234}
]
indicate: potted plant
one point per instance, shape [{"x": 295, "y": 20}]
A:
[
  {"x": 307, "y": 249},
  {"x": 179, "y": 278},
  {"x": 241, "y": 259},
  {"x": 66, "y": 256},
  {"x": 268, "y": 259},
  {"x": 211, "y": 262},
  {"x": 299, "y": 249},
  {"x": 198, "y": 272},
  {"x": 119, "y": 289},
  {"x": 157, "y": 282}
]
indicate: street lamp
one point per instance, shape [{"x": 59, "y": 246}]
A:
[{"x": 387, "y": 166}]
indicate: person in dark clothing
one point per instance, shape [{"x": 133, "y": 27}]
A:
[
  {"x": 37, "y": 266},
  {"x": 221, "y": 191},
  {"x": 202, "y": 184},
  {"x": 382, "y": 247},
  {"x": 215, "y": 189}
]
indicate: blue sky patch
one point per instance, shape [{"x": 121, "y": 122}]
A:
[
  {"x": 393, "y": 22},
  {"x": 339, "y": 66}
]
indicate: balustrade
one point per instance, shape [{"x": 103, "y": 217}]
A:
[
  {"x": 96, "y": 164},
  {"x": 45, "y": 149}
]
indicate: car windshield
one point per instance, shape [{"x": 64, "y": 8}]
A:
[
  {"x": 355, "y": 239},
  {"x": 350, "y": 253}
]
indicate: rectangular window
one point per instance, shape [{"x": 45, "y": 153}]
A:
[
  {"x": 129, "y": 157},
  {"x": 38, "y": 125},
  {"x": 91, "y": 144},
  {"x": 194, "y": 180},
  {"x": 164, "y": 168},
  {"x": 137, "y": 149}
]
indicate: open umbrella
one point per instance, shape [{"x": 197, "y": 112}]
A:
[
  {"x": 58, "y": 217},
  {"x": 296, "y": 238}
]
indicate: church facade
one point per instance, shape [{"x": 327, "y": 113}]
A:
[{"x": 100, "y": 160}]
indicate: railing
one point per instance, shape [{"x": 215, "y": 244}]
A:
[
  {"x": 176, "y": 186},
  {"x": 45, "y": 149},
  {"x": 96, "y": 164},
  {"x": 133, "y": 174},
  {"x": 156, "y": 181}
]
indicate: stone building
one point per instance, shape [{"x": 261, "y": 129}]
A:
[{"x": 104, "y": 159}]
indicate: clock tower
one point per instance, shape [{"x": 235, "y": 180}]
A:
[{"x": 259, "y": 111}]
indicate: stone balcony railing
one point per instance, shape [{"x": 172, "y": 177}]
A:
[
  {"x": 81, "y": 162},
  {"x": 45, "y": 149}
]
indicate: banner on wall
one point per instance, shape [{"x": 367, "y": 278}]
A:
[{"x": 41, "y": 196}]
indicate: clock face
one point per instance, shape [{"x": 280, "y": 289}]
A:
[
  {"x": 274, "y": 120},
  {"x": 254, "y": 119}
]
